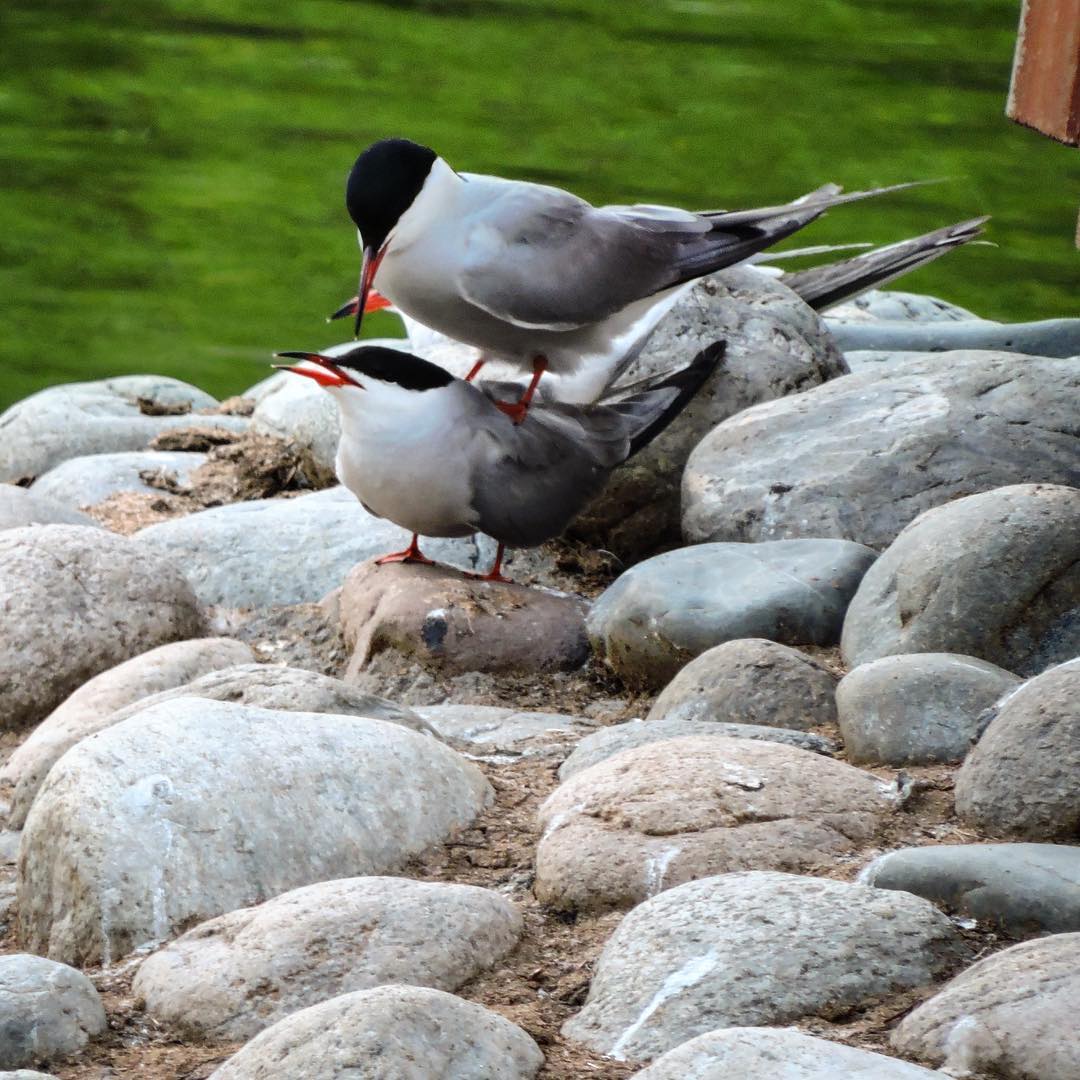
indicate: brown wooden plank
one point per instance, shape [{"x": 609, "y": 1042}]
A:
[{"x": 1045, "y": 89}]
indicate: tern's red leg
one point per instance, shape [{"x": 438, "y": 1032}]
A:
[
  {"x": 495, "y": 573},
  {"x": 520, "y": 408},
  {"x": 475, "y": 369},
  {"x": 411, "y": 554}
]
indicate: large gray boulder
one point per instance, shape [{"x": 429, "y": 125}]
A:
[
  {"x": 193, "y": 808},
  {"x": 231, "y": 977},
  {"x": 751, "y": 681},
  {"x": 749, "y": 1053},
  {"x": 663, "y": 612},
  {"x": 77, "y": 601},
  {"x": 62, "y": 422},
  {"x": 297, "y": 408},
  {"x": 388, "y": 1032},
  {"x": 755, "y": 949},
  {"x": 1021, "y": 778},
  {"x": 775, "y": 345},
  {"x": 861, "y": 456},
  {"x": 650, "y": 818},
  {"x": 994, "y": 576},
  {"x": 19, "y": 507},
  {"x": 92, "y": 707},
  {"x": 917, "y": 708},
  {"x": 1011, "y": 1016},
  {"x": 47, "y": 1010},
  {"x": 1048, "y": 337},
  {"x": 1023, "y": 889},
  {"x": 609, "y": 741},
  {"x": 893, "y": 306},
  {"x": 83, "y": 481},
  {"x": 499, "y": 735},
  {"x": 270, "y": 552}
]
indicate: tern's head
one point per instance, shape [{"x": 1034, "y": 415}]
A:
[{"x": 370, "y": 378}]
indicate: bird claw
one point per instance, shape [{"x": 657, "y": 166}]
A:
[
  {"x": 406, "y": 556},
  {"x": 491, "y": 576},
  {"x": 516, "y": 411}
]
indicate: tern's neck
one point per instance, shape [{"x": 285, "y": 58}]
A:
[{"x": 437, "y": 198}]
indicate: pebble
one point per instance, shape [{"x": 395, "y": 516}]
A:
[
  {"x": 19, "y": 507},
  {"x": 1021, "y": 778},
  {"x": 861, "y": 456},
  {"x": 755, "y": 948},
  {"x": 751, "y": 681},
  {"x": 78, "y": 601},
  {"x": 231, "y": 977},
  {"x": 394, "y": 1032},
  {"x": 85, "y": 481},
  {"x": 76, "y": 419},
  {"x": 609, "y": 741},
  {"x": 193, "y": 808},
  {"x": 452, "y": 624},
  {"x": 1011, "y": 1015},
  {"x": 652, "y": 817},
  {"x": 749, "y": 1053},
  {"x": 663, "y": 612},
  {"x": 92, "y": 706},
  {"x": 994, "y": 576},
  {"x": 917, "y": 708},
  {"x": 1021, "y": 889},
  {"x": 776, "y": 345},
  {"x": 48, "y": 1010}
]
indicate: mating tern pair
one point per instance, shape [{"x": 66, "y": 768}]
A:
[
  {"x": 533, "y": 275},
  {"x": 436, "y": 454}
]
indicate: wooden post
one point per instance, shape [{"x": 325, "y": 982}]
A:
[{"x": 1045, "y": 89}]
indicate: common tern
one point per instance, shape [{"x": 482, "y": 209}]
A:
[
  {"x": 435, "y": 454},
  {"x": 534, "y": 275}
]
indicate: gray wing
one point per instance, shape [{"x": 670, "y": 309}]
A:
[
  {"x": 534, "y": 477},
  {"x": 541, "y": 258}
]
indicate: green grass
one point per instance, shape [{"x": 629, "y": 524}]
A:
[{"x": 172, "y": 170}]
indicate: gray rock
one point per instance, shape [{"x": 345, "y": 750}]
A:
[
  {"x": 299, "y": 409},
  {"x": 776, "y": 345},
  {"x": 751, "y": 681},
  {"x": 271, "y": 552},
  {"x": 1024, "y": 889},
  {"x": 652, "y": 817},
  {"x": 92, "y": 707},
  {"x": 75, "y": 419},
  {"x": 612, "y": 740},
  {"x": 1050, "y": 337},
  {"x": 917, "y": 708},
  {"x": 502, "y": 735},
  {"x": 193, "y": 808},
  {"x": 26, "y": 1074},
  {"x": 994, "y": 576},
  {"x": 84, "y": 481},
  {"x": 863, "y": 455},
  {"x": 19, "y": 507},
  {"x": 391, "y": 1031},
  {"x": 862, "y": 359},
  {"x": 452, "y": 624},
  {"x": 1021, "y": 776},
  {"x": 896, "y": 306},
  {"x": 749, "y": 1053},
  {"x": 77, "y": 601},
  {"x": 1011, "y": 1015},
  {"x": 737, "y": 949},
  {"x": 669, "y": 609},
  {"x": 48, "y": 1010},
  {"x": 235, "y": 975}
]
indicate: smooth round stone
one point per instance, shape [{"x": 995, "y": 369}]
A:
[
  {"x": 995, "y": 576},
  {"x": 861, "y": 456},
  {"x": 1023, "y": 889},
  {"x": 754, "y": 949},
  {"x": 84, "y": 481},
  {"x": 1048, "y": 337},
  {"x": 1011, "y": 1016},
  {"x": 917, "y": 708},
  {"x": 501, "y": 735},
  {"x": 389, "y": 1032},
  {"x": 47, "y": 1010},
  {"x": 893, "y": 305},
  {"x": 751, "y": 681},
  {"x": 1021, "y": 778},
  {"x": 19, "y": 507},
  {"x": 749, "y": 1053},
  {"x": 665, "y": 611}
]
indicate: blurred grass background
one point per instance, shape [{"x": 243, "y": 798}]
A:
[{"x": 173, "y": 169}]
